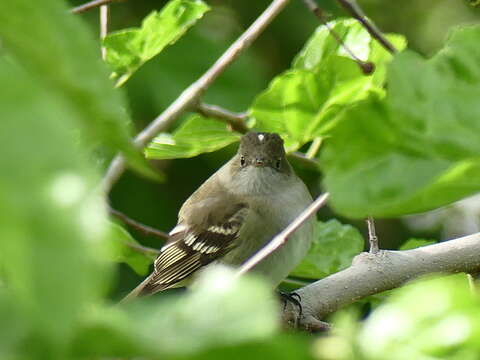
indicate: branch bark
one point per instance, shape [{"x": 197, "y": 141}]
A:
[
  {"x": 282, "y": 237},
  {"x": 90, "y": 5},
  {"x": 192, "y": 94},
  {"x": 356, "y": 12},
  {"x": 373, "y": 273}
]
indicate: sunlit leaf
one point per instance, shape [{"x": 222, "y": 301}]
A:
[
  {"x": 196, "y": 136},
  {"x": 129, "y": 49}
]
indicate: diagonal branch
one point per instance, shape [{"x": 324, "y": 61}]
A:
[
  {"x": 144, "y": 229},
  {"x": 367, "y": 67},
  {"x": 373, "y": 273},
  {"x": 90, "y": 5},
  {"x": 356, "y": 12},
  {"x": 282, "y": 238},
  {"x": 192, "y": 94}
]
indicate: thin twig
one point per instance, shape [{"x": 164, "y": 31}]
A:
[
  {"x": 372, "y": 236},
  {"x": 192, "y": 94},
  {"x": 145, "y": 229},
  {"x": 352, "y": 7},
  {"x": 153, "y": 253},
  {"x": 90, "y": 5},
  {"x": 103, "y": 28},
  {"x": 236, "y": 121},
  {"x": 280, "y": 239},
  {"x": 367, "y": 67}
]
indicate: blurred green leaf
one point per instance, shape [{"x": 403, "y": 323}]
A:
[
  {"x": 123, "y": 250},
  {"x": 212, "y": 314},
  {"x": 333, "y": 248},
  {"x": 415, "y": 243},
  {"x": 304, "y": 102},
  {"x": 418, "y": 148},
  {"x": 129, "y": 49},
  {"x": 57, "y": 49},
  {"x": 52, "y": 224},
  {"x": 197, "y": 135},
  {"x": 428, "y": 319}
]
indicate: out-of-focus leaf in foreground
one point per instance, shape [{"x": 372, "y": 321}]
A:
[
  {"x": 220, "y": 311},
  {"x": 56, "y": 48},
  {"x": 52, "y": 224},
  {"x": 429, "y": 319}
]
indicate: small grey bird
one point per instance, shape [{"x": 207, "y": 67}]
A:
[{"x": 233, "y": 214}]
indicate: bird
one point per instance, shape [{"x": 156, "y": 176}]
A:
[{"x": 232, "y": 215}]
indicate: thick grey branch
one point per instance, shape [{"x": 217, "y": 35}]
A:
[
  {"x": 192, "y": 94},
  {"x": 373, "y": 273}
]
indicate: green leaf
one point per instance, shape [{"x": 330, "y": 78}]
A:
[
  {"x": 427, "y": 319},
  {"x": 122, "y": 250},
  {"x": 57, "y": 49},
  {"x": 52, "y": 222},
  {"x": 210, "y": 315},
  {"x": 414, "y": 243},
  {"x": 197, "y": 135},
  {"x": 129, "y": 49},
  {"x": 416, "y": 149},
  {"x": 333, "y": 249},
  {"x": 304, "y": 102}
]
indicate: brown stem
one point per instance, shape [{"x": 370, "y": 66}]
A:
[
  {"x": 356, "y": 12},
  {"x": 236, "y": 121},
  {"x": 372, "y": 236},
  {"x": 145, "y": 229},
  {"x": 367, "y": 67}
]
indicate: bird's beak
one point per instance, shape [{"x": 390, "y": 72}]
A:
[{"x": 259, "y": 162}]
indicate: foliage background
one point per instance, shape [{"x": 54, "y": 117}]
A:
[{"x": 78, "y": 324}]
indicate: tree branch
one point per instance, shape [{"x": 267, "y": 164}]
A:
[
  {"x": 144, "y": 229},
  {"x": 367, "y": 67},
  {"x": 236, "y": 121},
  {"x": 192, "y": 94},
  {"x": 280, "y": 239},
  {"x": 91, "y": 5},
  {"x": 356, "y": 12},
  {"x": 373, "y": 273}
]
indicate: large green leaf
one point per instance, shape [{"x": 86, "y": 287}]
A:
[
  {"x": 415, "y": 243},
  {"x": 304, "y": 102},
  {"x": 418, "y": 148},
  {"x": 52, "y": 223},
  {"x": 334, "y": 246},
  {"x": 57, "y": 49},
  {"x": 210, "y": 315},
  {"x": 195, "y": 136},
  {"x": 129, "y": 49}
]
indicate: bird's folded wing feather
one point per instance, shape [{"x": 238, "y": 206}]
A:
[{"x": 204, "y": 234}]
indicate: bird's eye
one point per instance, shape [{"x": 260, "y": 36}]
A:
[
  {"x": 243, "y": 162},
  {"x": 278, "y": 163}
]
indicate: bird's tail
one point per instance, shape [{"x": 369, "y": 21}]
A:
[
  {"x": 145, "y": 288},
  {"x": 138, "y": 291}
]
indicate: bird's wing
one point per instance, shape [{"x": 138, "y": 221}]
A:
[{"x": 196, "y": 243}]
